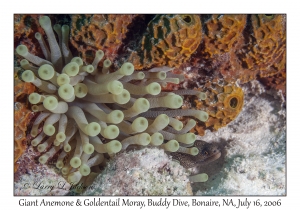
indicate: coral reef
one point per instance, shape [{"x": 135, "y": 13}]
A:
[
  {"x": 80, "y": 113},
  {"x": 265, "y": 53},
  {"x": 169, "y": 40},
  {"x": 242, "y": 47},
  {"x": 83, "y": 110},
  {"x": 148, "y": 171},
  {"x": 255, "y": 143},
  {"x": 90, "y": 33}
]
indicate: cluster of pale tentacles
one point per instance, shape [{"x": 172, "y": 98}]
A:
[{"x": 80, "y": 105}]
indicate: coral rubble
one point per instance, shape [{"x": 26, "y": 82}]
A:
[
  {"x": 33, "y": 178},
  {"x": 142, "y": 172}
]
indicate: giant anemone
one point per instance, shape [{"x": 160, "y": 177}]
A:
[{"x": 87, "y": 112}]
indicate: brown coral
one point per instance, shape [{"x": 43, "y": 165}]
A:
[
  {"x": 264, "y": 54},
  {"x": 223, "y": 104},
  {"x": 169, "y": 40},
  {"x": 149, "y": 171},
  {"x": 223, "y": 33},
  {"x": 90, "y": 33},
  {"x": 242, "y": 47},
  {"x": 22, "y": 116}
]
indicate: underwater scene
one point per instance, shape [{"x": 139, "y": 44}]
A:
[{"x": 149, "y": 105}]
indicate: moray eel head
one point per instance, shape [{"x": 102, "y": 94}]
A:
[{"x": 207, "y": 153}]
